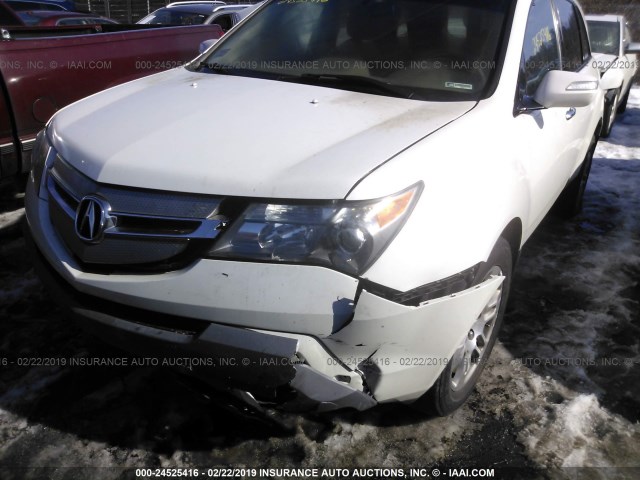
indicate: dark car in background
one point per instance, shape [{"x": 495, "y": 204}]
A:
[
  {"x": 55, "y": 18},
  {"x": 22, "y": 5},
  {"x": 69, "y": 5},
  {"x": 27, "y": 5}
]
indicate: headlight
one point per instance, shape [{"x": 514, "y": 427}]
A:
[
  {"x": 41, "y": 158},
  {"x": 346, "y": 236}
]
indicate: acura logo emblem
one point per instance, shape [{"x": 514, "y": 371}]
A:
[{"x": 91, "y": 218}]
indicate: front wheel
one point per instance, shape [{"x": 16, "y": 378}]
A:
[
  {"x": 610, "y": 112},
  {"x": 458, "y": 379},
  {"x": 569, "y": 203}
]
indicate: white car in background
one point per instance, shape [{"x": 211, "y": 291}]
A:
[
  {"x": 229, "y": 16},
  {"x": 200, "y": 13},
  {"x": 615, "y": 56},
  {"x": 358, "y": 247}
]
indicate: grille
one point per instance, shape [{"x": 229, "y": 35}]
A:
[{"x": 139, "y": 228}]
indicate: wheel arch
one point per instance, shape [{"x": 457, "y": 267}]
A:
[
  {"x": 512, "y": 233},
  {"x": 598, "y": 133},
  {"x": 599, "y": 129}
]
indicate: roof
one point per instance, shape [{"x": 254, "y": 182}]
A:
[
  {"x": 231, "y": 8},
  {"x": 203, "y": 8},
  {"x": 605, "y": 18},
  {"x": 209, "y": 3}
]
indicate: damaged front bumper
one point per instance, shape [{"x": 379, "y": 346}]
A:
[{"x": 285, "y": 334}]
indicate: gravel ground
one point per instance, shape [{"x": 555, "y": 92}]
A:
[{"x": 560, "y": 397}]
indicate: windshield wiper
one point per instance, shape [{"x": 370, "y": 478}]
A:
[
  {"x": 348, "y": 82},
  {"x": 353, "y": 81}
]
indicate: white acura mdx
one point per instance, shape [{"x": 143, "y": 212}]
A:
[{"x": 325, "y": 208}]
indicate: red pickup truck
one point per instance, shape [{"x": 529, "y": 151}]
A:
[{"x": 43, "y": 69}]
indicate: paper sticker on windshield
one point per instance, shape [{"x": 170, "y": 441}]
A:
[
  {"x": 460, "y": 86},
  {"x": 301, "y": 1}
]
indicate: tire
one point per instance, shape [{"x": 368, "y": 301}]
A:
[
  {"x": 623, "y": 103},
  {"x": 569, "y": 203},
  {"x": 458, "y": 379},
  {"x": 609, "y": 115}
]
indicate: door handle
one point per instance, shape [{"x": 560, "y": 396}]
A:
[{"x": 570, "y": 113}]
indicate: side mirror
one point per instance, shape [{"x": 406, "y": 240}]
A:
[
  {"x": 204, "y": 46},
  {"x": 566, "y": 89},
  {"x": 611, "y": 79},
  {"x": 632, "y": 48}
]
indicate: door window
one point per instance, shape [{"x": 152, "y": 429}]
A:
[
  {"x": 573, "y": 54},
  {"x": 224, "y": 21},
  {"x": 540, "y": 52}
]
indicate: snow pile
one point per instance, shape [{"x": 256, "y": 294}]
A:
[
  {"x": 11, "y": 218},
  {"x": 557, "y": 426}
]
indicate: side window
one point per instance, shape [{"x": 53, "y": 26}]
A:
[
  {"x": 540, "y": 51},
  {"x": 71, "y": 21},
  {"x": 570, "y": 35},
  {"x": 584, "y": 38},
  {"x": 224, "y": 21},
  {"x": 627, "y": 36}
]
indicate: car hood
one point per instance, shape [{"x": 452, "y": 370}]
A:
[{"x": 229, "y": 135}]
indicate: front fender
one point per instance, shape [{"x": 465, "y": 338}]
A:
[{"x": 474, "y": 186}]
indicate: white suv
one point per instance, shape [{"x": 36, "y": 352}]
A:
[
  {"x": 356, "y": 246},
  {"x": 615, "y": 56}
]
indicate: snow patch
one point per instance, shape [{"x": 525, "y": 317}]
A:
[
  {"x": 558, "y": 427},
  {"x": 11, "y": 218}
]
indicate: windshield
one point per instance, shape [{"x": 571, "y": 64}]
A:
[
  {"x": 30, "y": 18},
  {"x": 604, "y": 37},
  {"x": 422, "y": 49}
]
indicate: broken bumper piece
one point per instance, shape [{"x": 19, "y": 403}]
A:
[
  {"x": 263, "y": 365},
  {"x": 257, "y": 367}
]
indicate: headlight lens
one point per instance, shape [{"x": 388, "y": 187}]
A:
[
  {"x": 346, "y": 236},
  {"x": 41, "y": 157}
]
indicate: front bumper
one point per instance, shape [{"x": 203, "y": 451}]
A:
[
  {"x": 244, "y": 361},
  {"x": 267, "y": 328}
]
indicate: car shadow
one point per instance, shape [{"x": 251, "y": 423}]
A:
[{"x": 574, "y": 312}]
